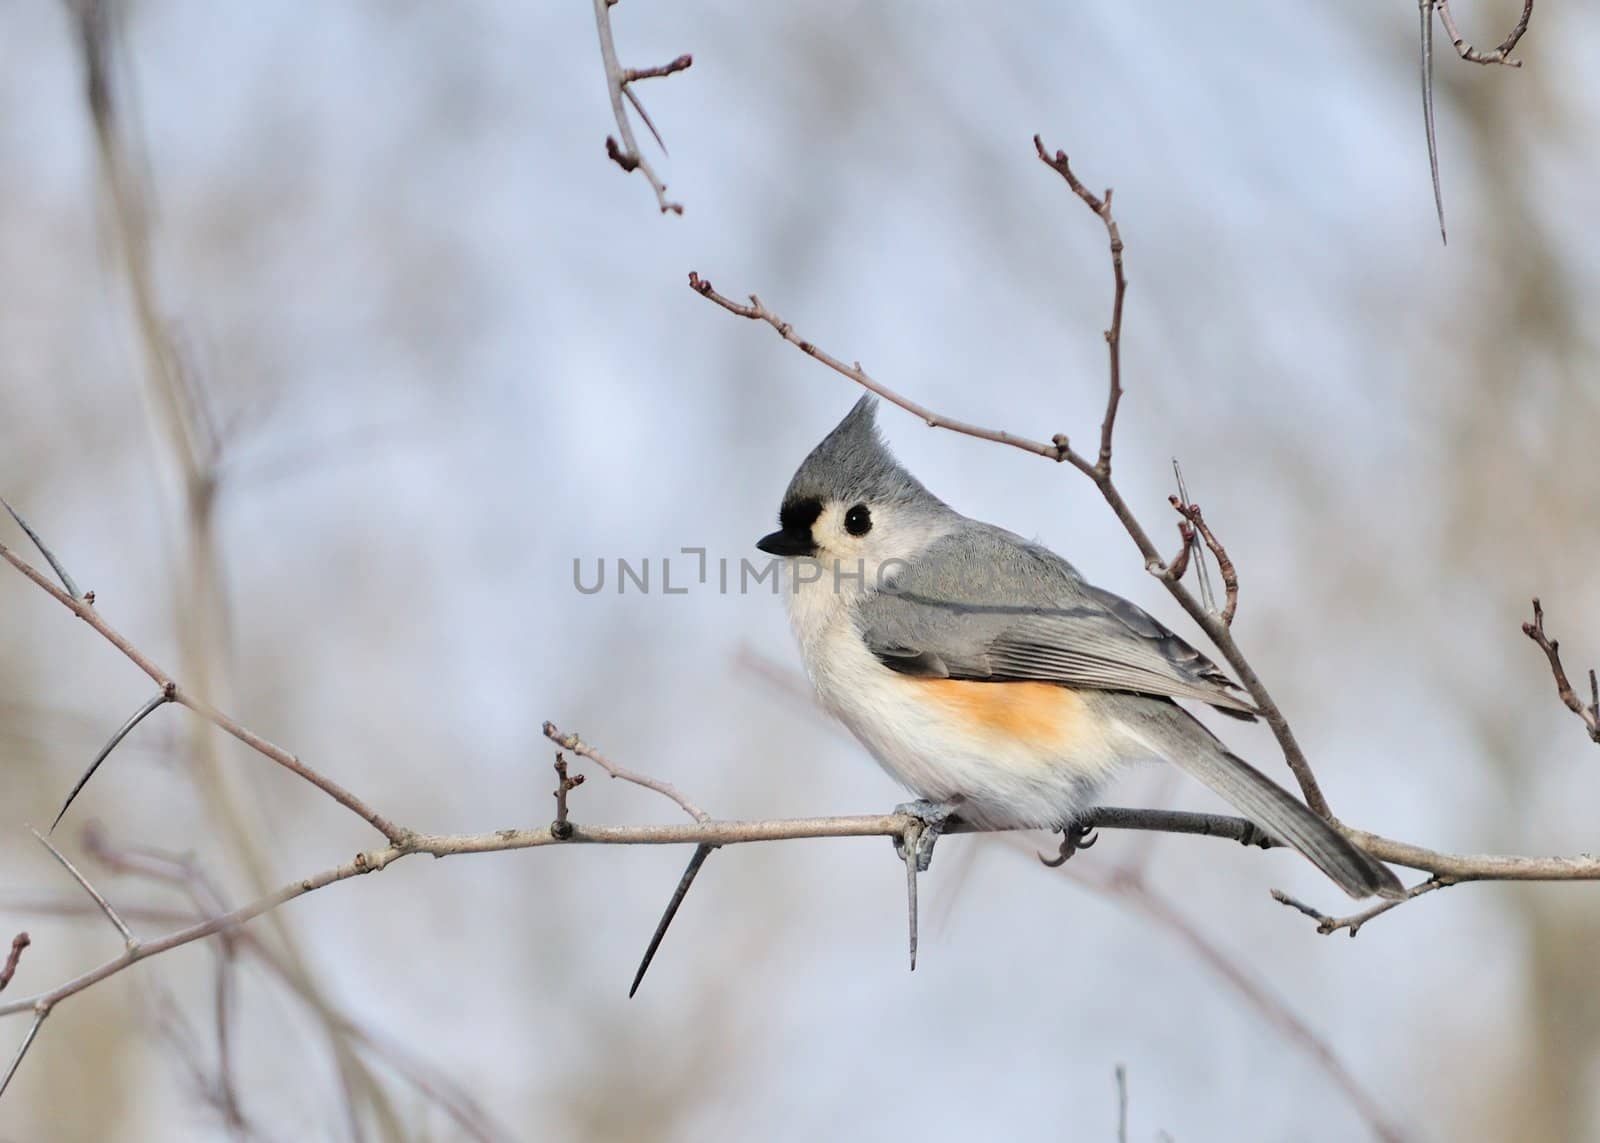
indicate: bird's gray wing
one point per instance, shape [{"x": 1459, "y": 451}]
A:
[{"x": 988, "y": 605}]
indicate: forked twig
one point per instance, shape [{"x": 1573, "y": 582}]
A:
[
  {"x": 619, "y": 82},
  {"x": 1327, "y": 925},
  {"x": 1552, "y": 649}
]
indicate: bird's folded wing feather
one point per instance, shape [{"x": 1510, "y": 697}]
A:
[{"x": 987, "y": 605}]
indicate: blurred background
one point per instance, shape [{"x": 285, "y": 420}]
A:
[{"x": 425, "y": 347}]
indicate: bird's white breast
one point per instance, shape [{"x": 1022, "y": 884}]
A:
[{"x": 1003, "y": 775}]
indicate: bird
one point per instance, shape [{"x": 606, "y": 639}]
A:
[{"x": 986, "y": 675}]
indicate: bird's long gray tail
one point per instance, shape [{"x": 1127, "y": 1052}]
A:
[
  {"x": 1195, "y": 750},
  {"x": 1287, "y": 819}
]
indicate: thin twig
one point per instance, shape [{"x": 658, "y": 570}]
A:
[
  {"x": 39, "y": 1015},
  {"x": 161, "y": 698},
  {"x": 1425, "y": 7},
  {"x": 13, "y": 958},
  {"x": 1471, "y": 54},
  {"x": 698, "y": 859},
  {"x": 682, "y": 63},
  {"x": 1191, "y": 543},
  {"x": 756, "y": 311},
  {"x": 1327, "y": 925},
  {"x": 128, "y": 938},
  {"x": 561, "y": 827},
  {"x": 626, "y": 154},
  {"x": 575, "y": 744},
  {"x": 1552, "y": 650},
  {"x": 49, "y": 556},
  {"x": 1180, "y": 562},
  {"x": 1102, "y": 208},
  {"x": 1230, "y": 574}
]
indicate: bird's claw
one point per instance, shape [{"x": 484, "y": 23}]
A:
[
  {"x": 934, "y": 816},
  {"x": 1073, "y": 838}
]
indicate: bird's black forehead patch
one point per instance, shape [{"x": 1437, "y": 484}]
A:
[{"x": 799, "y": 515}]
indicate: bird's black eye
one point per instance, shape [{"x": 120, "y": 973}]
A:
[{"x": 858, "y": 521}]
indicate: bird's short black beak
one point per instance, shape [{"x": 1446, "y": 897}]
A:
[{"x": 784, "y": 543}]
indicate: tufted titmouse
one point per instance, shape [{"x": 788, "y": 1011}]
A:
[{"x": 986, "y": 675}]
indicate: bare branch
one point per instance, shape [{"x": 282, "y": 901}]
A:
[
  {"x": 84, "y": 609},
  {"x": 1101, "y": 207},
  {"x": 121, "y": 926},
  {"x": 573, "y": 743},
  {"x": 755, "y": 311},
  {"x": 626, "y": 154},
  {"x": 1552, "y": 649},
  {"x": 682, "y": 63},
  {"x": 13, "y": 958},
  {"x": 720, "y": 833},
  {"x": 1327, "y": 925},
  {"x": 1499, "y": 55}
]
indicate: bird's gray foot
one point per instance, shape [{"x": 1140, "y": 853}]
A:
[
  {"x": 935, "y": 818},
  {"x": 1074, "y": 837}
]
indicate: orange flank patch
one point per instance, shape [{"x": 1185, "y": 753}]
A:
[{"x": 1041, "y": 713}]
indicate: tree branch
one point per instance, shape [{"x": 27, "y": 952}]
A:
[
  {"x": 1467, "y": 52},
  {"x": 619, "y": 82},
  {"x": 84, "y": 609},
  {"x": 755, "y": 311},
  {"x": 720, "y": 833}
]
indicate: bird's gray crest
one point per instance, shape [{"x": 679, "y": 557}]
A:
[{"x": 853, "y": 464}]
